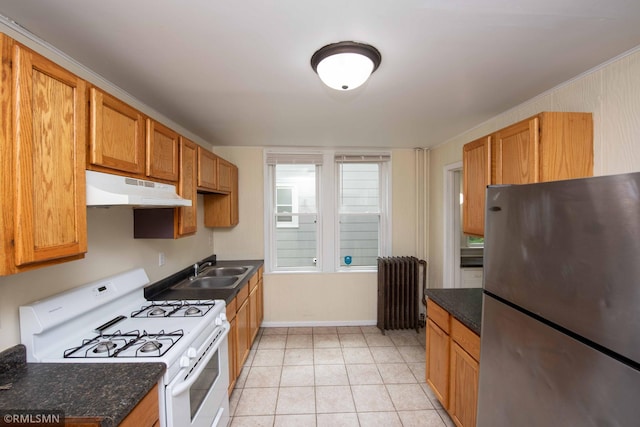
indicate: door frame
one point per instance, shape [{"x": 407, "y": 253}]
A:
[{"x": 452, "y": 224}]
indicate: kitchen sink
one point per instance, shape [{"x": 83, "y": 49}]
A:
[
  {"x": 215, "y": 278},
  {"x": 223, "y": 271},
  {"x": 209, "y": 282}
]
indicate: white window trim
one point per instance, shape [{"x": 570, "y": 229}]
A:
[{"x": 328, "y": 261}]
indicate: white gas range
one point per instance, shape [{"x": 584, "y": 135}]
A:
[{"x": 110, "y": 321}]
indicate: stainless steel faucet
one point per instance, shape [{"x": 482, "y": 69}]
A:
[{"x": 197, "y": 268}]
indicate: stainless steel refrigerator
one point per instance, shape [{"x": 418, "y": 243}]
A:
[{"x": 560, "y": 336}]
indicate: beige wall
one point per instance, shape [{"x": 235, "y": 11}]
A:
[
  {"x": 301, "y": 299},
  {"x": 611, "y": 92}
]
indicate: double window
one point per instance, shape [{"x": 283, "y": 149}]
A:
[{"x": 326, "y": 211}]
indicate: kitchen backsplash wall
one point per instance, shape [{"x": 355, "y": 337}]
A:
[
  {"x": 112, "y": 249},
  {"x": 610, "y": 91}
]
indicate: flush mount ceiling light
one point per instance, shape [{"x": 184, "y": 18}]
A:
[{"x": 345, "y": 65}]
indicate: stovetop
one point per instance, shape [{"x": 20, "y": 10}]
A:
[
  {"x": 111, "y": 320},
  {"x": 153, "y": 335}
]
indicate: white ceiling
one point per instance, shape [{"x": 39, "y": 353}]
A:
[{"x": 236, "y": 72}]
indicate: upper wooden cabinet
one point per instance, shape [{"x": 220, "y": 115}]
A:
[
  {"x": 187, "y": 219},
  {"x": 42, "y": 178},
  {"x": 116, "y": 135},
  {"x": 547, "y": 147},
  {"x": 207, "y": 170},
  {"x": 221, "y": 210},
  {"x": 477, "y": 175},
  {"x": 162, "y": 152},
  {"x": 516, "y": 153},
  {"x": 225, "y": 175}
]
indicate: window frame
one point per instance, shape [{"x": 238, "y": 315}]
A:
[
  {"x": 328, "y": 260},
  {"x": 384, "y": 222}
]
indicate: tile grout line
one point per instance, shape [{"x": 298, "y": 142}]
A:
[{"x": 405, "y": 360}]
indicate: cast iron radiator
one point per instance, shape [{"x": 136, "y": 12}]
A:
[{"x": 399, "y": 292}]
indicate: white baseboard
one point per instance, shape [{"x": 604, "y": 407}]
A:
[{"x": 312, "y": 323}]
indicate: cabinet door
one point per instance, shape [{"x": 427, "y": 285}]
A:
[
  {"x": 242, "y": 323},
  {"x": 476, "y": 175},
  {"x": 260, "y": 301},
  {"x": 224, "y": 175},
  {"x": 516, "y": 153},
  {"x": 437, "y": 362},
  {"x": 49, "y": 132},
  {"x": 253, "y": 312},
  {"x": 162, "y": 152},
  {"x": 233, "y": 344},
  {"x": 463, "y": 396},
  {"x": 146, "y": 413},
  {"x": 221, "y": 210},
  {"x": 234, "y": 212},
  {"x": 187, "y": 219},
  {"x": 207, "y": 170},
  {"x": 566, "y": 145},
  {"x": 116, "y": 139}
]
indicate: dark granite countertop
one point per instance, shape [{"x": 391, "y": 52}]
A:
[
  {"x": 103, "y": 391},
  {"x": 465, "y": 304},
  {"x": 162, "y": 291}
]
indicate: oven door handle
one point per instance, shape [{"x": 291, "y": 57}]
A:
[{"x": 206, "y": 357}]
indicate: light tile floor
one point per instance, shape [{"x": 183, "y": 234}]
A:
[{"x": 336, "y": 376}]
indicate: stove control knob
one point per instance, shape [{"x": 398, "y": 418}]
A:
[
  {"x": 223, "y": 316},
  {"x": 218, "y": 320},
  {"x": 191, "y": 352},
  {"x": 184, "y": 362}
]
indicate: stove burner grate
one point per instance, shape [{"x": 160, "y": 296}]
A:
[
  {"x": 191, "y": 308},
  {"x": 104, "y": 345},
  {"x": 129, "y": 344}
]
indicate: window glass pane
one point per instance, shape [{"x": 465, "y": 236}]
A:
[
  {"x": 300, "y": 183},
  {"x": 359, "y": 240},
  {"x": 295, "y": 234},
  {"x": 284, "y": 196},
  {"x": 296, "y": 246},
  {"x": 359, "y": 187}
]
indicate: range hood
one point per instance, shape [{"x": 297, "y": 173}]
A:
[{"x": 105, "y": 189}]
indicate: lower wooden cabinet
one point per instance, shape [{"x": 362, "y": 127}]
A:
[
  {"x": 452, "y": 367},
  {"x": 243, "y": 345},
  {"x": 245, "y": 313},
  {"x": 437, "y": 360},
  {"x": 146, "y": 413},
  {"x": 232, "y": 342},
  {"x": 463, "y": 395}
]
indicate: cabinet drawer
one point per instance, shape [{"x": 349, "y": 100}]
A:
[
  {"x": 438, "y": 315},
  {"x": 253, "y": 282},
  {"x": 466, "y": 338},
  {"x": 242, "y": 295}
]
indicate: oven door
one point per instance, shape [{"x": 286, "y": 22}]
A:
[{"x": 197, "y": 396}]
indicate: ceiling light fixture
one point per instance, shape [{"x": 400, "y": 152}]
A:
[{"x": 345, "y": 65}]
